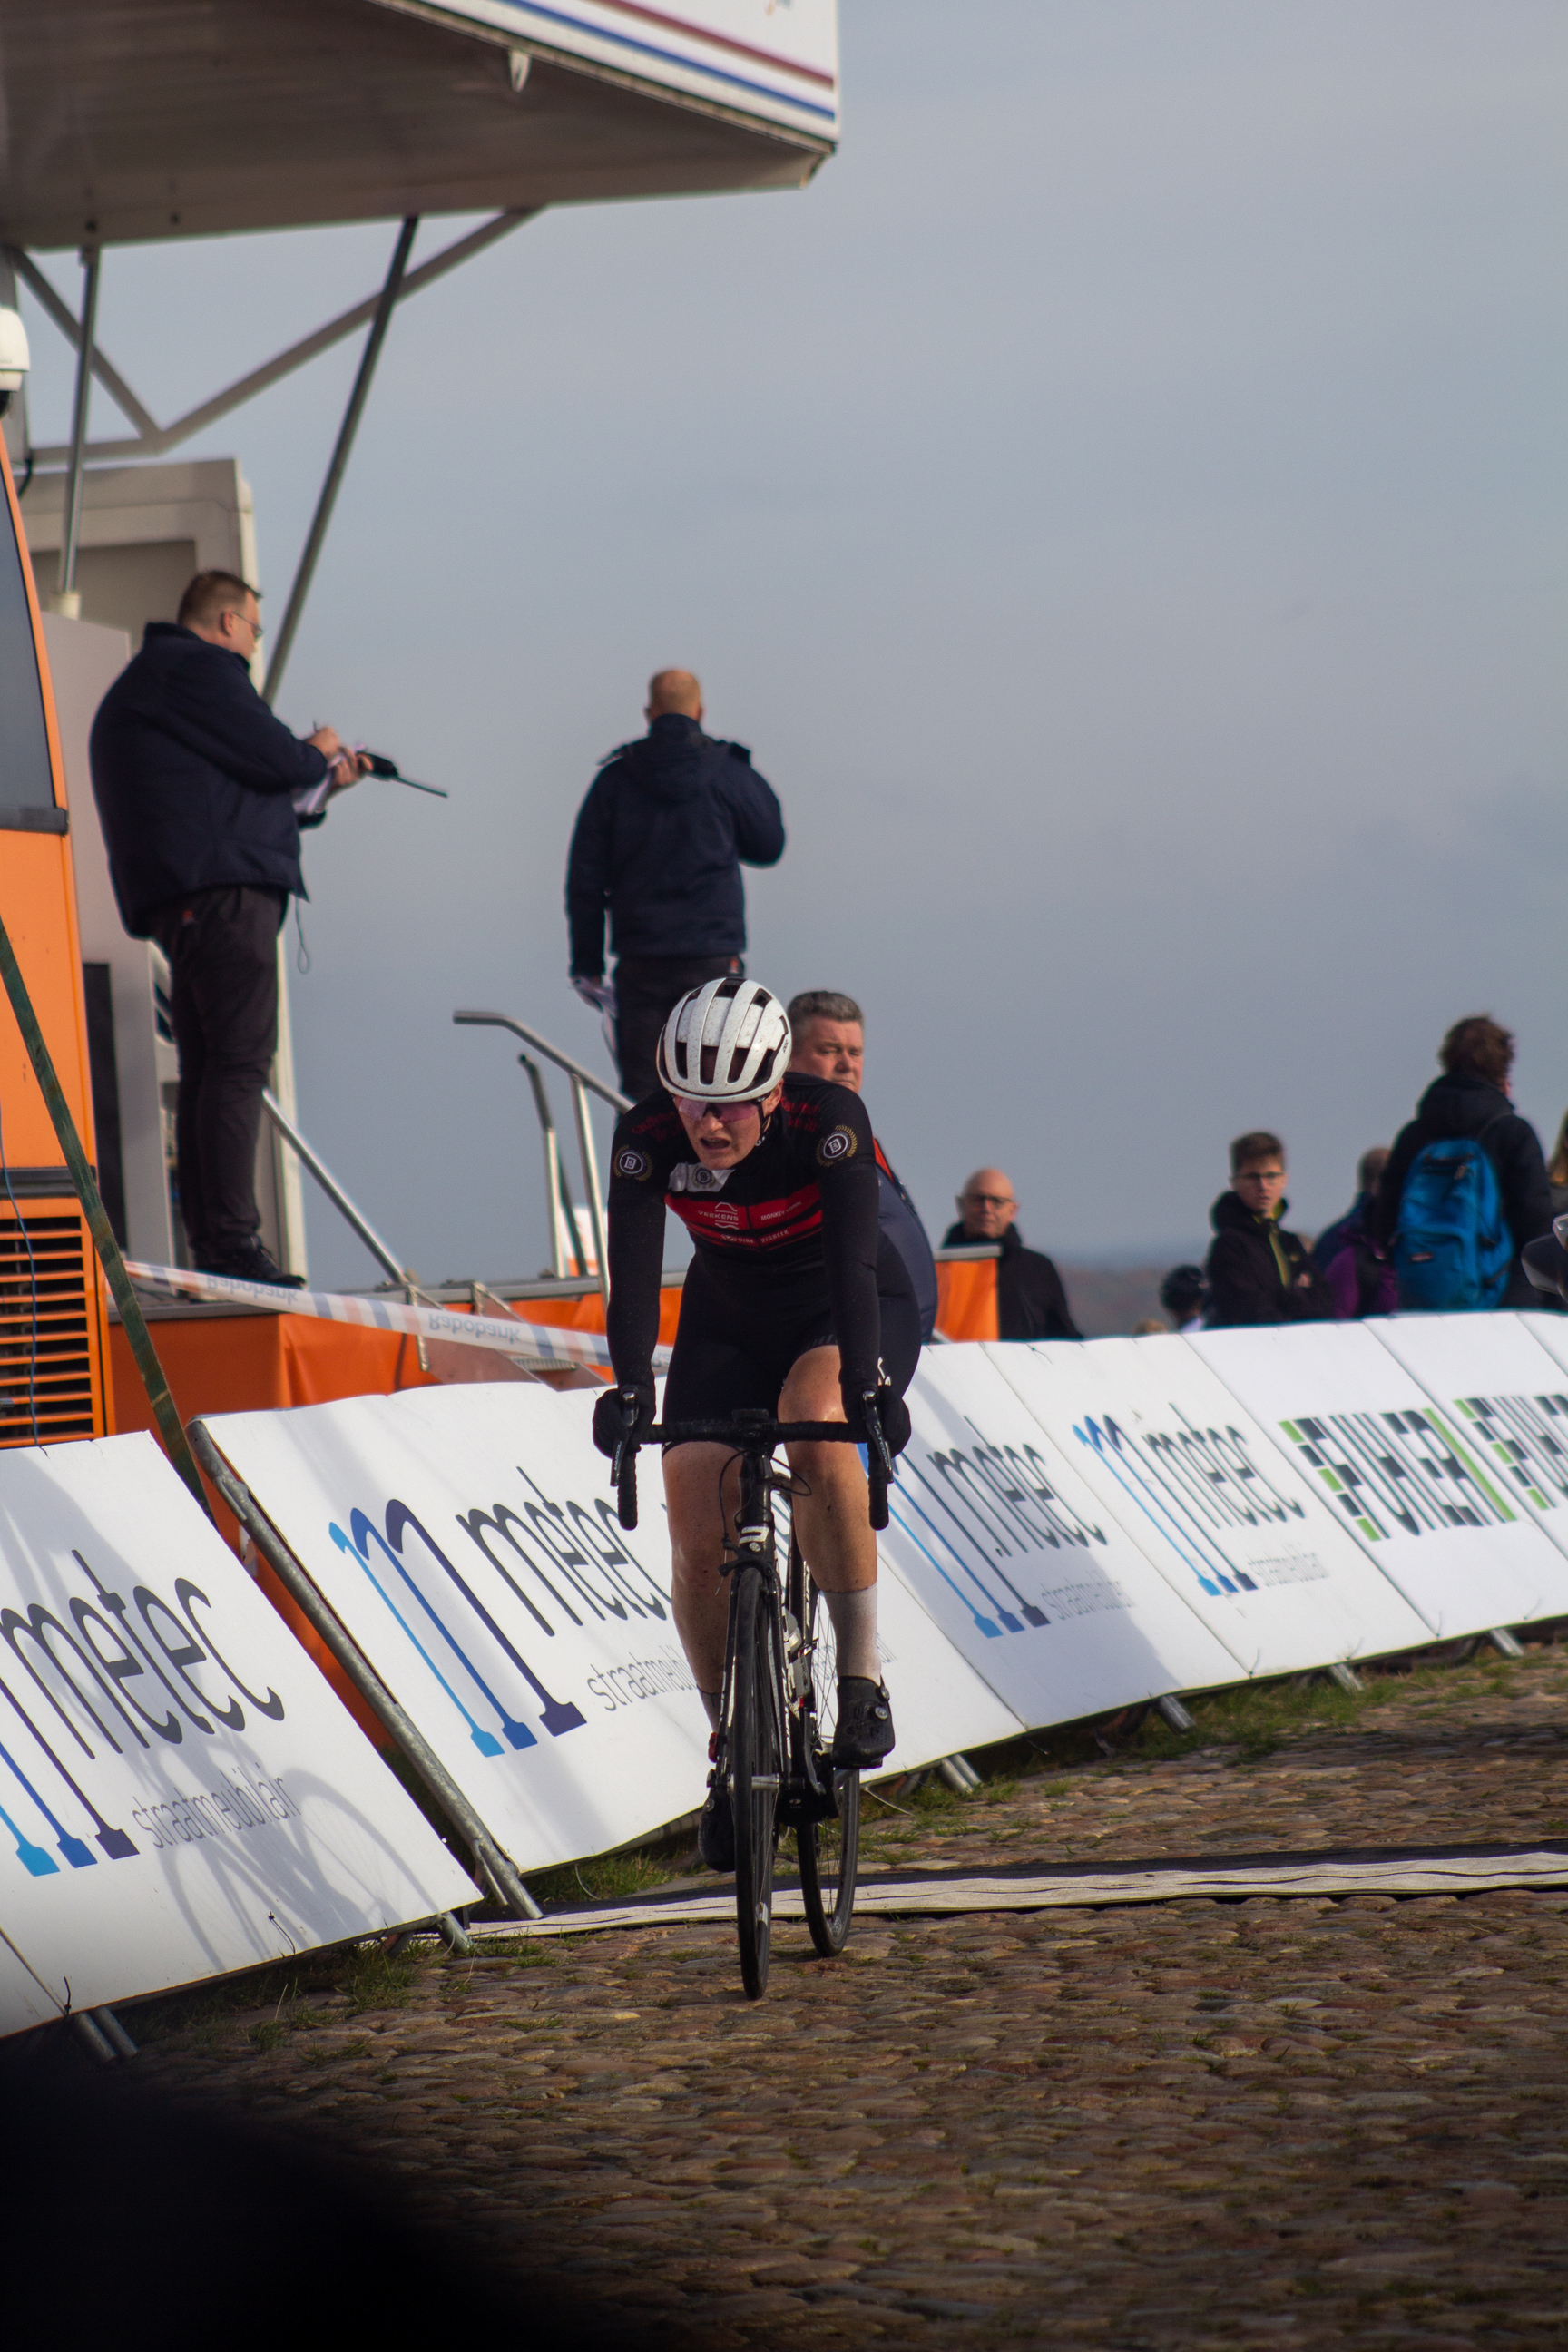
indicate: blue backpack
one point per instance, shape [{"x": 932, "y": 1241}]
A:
[{"x": 1452, "y": 1247}]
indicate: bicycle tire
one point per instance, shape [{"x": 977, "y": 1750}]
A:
[
  {"x": 756, "y": 1756},
  {"x": 829, "y": 1850}
]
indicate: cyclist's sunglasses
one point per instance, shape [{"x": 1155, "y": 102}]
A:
[{"x": 731, "y": 1113}]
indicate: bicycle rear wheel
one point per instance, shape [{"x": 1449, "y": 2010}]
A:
[
  {"x": 756, "y": 1762},
  {"x": 829, "y": 1850}
]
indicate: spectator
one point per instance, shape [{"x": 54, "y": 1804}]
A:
[
  {"x": 202, "y": 793},
  {"x": 1030, "y": 1301},
  {"x": 660, "y": 843},
  {"x": 1355, "y": 1267},
  {"x": 1258, "y": 1273},
  {"x": 1184, "y": 1294},
  {"x": 1557, "y": 1174},
  {"x": 1470, "y": 1101},
  {"x": 829, "y": 1032},
  {"x": 1151, "y": 1327}
]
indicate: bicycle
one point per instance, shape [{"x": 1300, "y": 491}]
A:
[{"x": 773, "y": 1748}]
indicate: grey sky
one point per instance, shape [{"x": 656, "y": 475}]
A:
[{"x": 1121, "y": 502}]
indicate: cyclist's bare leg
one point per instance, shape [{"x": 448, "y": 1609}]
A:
[
  {"x": 835, "y": 1519},
  {"x": 696, "y": 1520}
]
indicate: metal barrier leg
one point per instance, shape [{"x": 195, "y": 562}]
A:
[
  {"x": 1346, "y": 1676},
  {"x": 1175, "y": 1713},
  {"x": 456, "y": 1937},
  {"x": 1506, "y": 1643},
  {"x": 97, "y": 2041},
  {"x": 114, "y": 2034},
  {"x": 959, "y": 1773}
]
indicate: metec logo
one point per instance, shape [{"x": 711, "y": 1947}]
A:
[{"x": 841, "y": 1144}]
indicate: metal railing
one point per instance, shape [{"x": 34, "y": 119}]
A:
[
  {"x": 381, "y": 1251},
  {"x": 562, "y": 1216}
]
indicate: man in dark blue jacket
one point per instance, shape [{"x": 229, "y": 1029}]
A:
[
  {"x": 828, "y": 1034},
  {"x": 658, "y": 845},
  {"x": 199, "y": 792}
]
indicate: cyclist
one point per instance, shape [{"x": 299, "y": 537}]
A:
[{"x": 793, "y": 1302}]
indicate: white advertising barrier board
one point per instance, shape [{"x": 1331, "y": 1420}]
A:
[
  {"x": 1506, "y": 1399},
  {"x": 1398, "y": 1468},
  {"x": 1235, "y": 1530},
  {"x": 467, "y": 1539},
  {"x": 181, "y": 1793},
  {"x": 1026, "y": 1574},
  {"x": 1551, "y": 1331}
]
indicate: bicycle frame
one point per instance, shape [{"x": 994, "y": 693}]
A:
[{"x": 768, "y": 1759}]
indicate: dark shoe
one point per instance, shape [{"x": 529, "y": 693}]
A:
[
  {"x": 865, "y": 1731},
  {"x": 254, "y": 1262},
  {"x": 716, "y": 1832}
]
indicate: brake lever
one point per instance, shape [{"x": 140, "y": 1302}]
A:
[
  {"x": 879, "y": 1461},
  {"x": 624, "y": 1467}
]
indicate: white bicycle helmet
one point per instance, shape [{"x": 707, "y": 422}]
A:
[{"x": 727, "y": 1041}]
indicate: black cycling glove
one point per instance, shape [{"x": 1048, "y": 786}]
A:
[
  {"x": 891, "y": 1412},
  {"x": 610, "y": 1413}
]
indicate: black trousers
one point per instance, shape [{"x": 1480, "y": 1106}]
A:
[
  {"x": 222, "y": 947},
  {"x": 647, "y": 989}
]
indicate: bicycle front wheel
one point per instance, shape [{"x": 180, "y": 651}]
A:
[
  {"x": 829, "y": 1850},
  {"x": 756, "y": 1752}
]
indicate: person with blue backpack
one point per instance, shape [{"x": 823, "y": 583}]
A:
[{"x": 1465, "y": 1188}]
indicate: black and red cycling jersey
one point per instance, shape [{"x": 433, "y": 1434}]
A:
[{"x": 804, "y": 1203}]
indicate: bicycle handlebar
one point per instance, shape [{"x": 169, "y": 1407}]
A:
[{"x": 754, "y": 1431}]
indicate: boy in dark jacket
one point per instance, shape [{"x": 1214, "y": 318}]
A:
[
  {"x": 1471, "y": 1098},
  {"x": 1257, "y": 1271}
]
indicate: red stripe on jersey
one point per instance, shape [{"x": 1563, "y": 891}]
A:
[{"x": 750, "y": 1225}]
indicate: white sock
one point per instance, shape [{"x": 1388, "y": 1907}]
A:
[
  {"x": 711, "y": 1702},
  {"x": 854, "y": 1616}
]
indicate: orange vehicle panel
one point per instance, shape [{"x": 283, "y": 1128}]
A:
[{"x": 53, "y": 1328}]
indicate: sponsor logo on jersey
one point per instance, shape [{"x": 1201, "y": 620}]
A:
[
  {"x": 839, "y": 1144},
  {"x": 690, "y": 1176},
  {"x": 629, "y": 1161}
]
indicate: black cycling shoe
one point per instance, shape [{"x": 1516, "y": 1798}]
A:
[
  {"x": 253, "y": 1261},
  {"x": 716, "y": 1832},
  {"x": 865, "y": 1731}
]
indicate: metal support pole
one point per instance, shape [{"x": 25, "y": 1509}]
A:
[
  {"x": 131, "y": 1316},
  {"x": 381, "y": 1251},
  {"x": 959, "y": 1773},
  {"x": 1507, "y": 1644},
  {"x": 1174, "y": 1712},
  {"x": 555, "y": 1194},
  {"x": 93, "y": 2034},
  {"x": 494, "y": 1866},
  {"x": 114, "y": 2034},
  {"x": 336, "y": 469},
  {"x": 591, "y": 1183},
  {"x": 65, "y": 599},
  {"x": 1346, "y": 1675}
]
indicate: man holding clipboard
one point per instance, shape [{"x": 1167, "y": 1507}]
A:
[{"x": 202, "y": 792}]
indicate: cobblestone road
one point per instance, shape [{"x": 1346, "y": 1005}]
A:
[{"x": 1206, "y": 2124}]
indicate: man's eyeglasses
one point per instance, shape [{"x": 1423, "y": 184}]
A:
[
  {"x": 989, "y": 1200},
  {"x": 256, "y": 631},
  {"x": 731, "y": 1113}
]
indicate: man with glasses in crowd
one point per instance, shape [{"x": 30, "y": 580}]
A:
[
  {"x": 202, "y": 792},
  {"x": 1030, "y": 1301}
]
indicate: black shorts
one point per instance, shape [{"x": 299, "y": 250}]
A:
[{"x": 740, "y": 1334}]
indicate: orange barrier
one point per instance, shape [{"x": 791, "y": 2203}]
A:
[{"x": 967, "y": 1298}]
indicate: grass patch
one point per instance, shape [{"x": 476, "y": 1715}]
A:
[{"x": 608, "y": 1878}]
